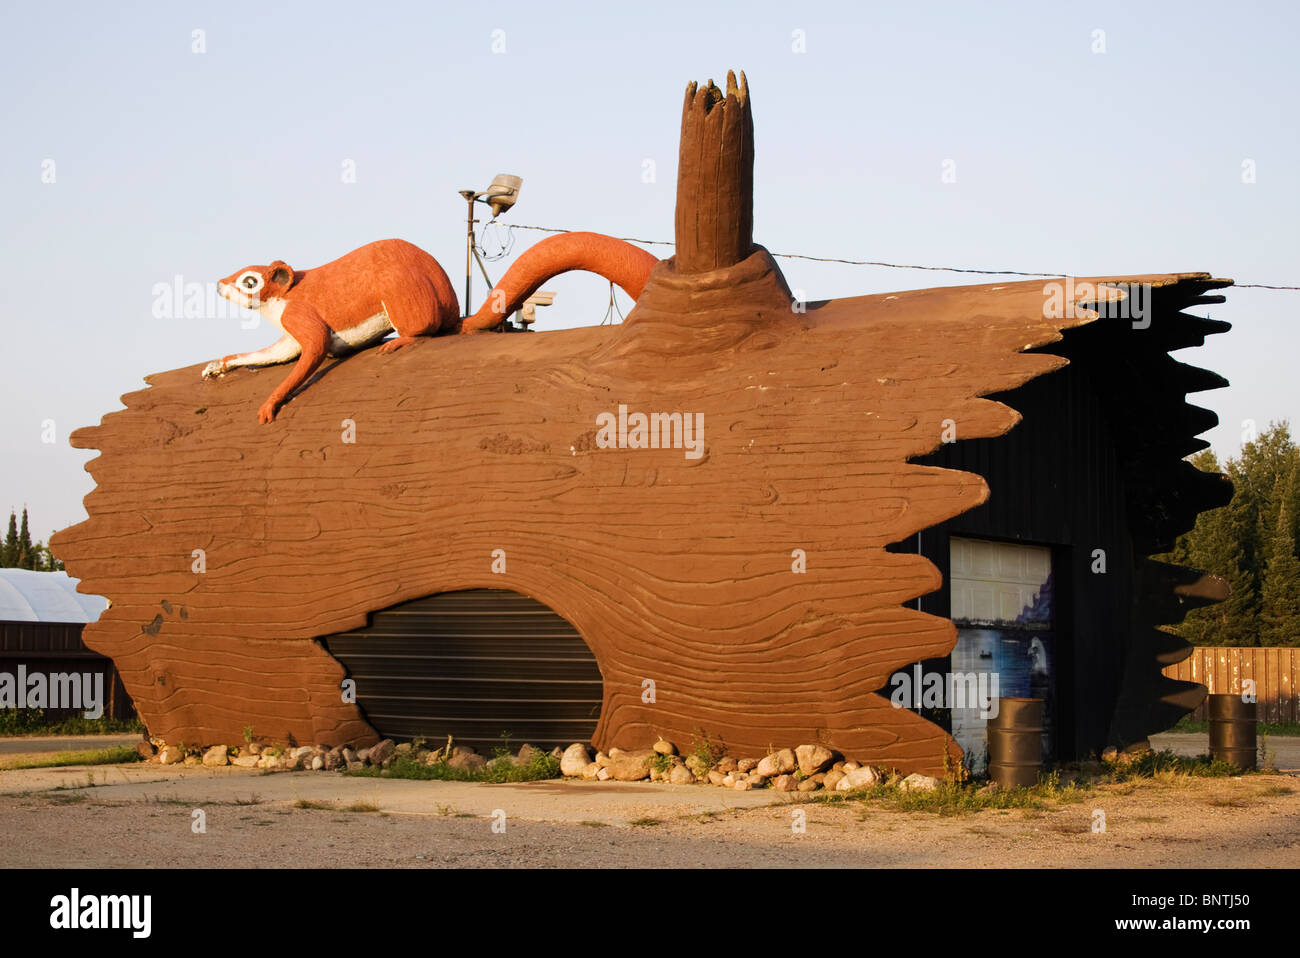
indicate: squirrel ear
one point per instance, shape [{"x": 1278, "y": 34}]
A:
[{"x": 281, "y": 273}]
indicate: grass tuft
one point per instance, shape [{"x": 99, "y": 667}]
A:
[{"x": 117, "y": 755}]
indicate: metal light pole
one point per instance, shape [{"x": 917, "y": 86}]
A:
[{"x": 500, "y": 196}]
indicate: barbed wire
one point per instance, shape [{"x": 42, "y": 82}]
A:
[{"x": 867, "y": 262}]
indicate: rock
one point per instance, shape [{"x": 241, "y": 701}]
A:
[
  {"x": 379, "y": 753},
  {"x": 778, "y": 763},
  {"x": 681, "y": 775},
  {"x": 318, "y": 763},
  {"x": 349, "y": 754},
  {"x": 601, "y": 759},
  {"x": 697, "y": 765},
  {"x": 851, "y": 766},
  {"x": 1131, "y": 753},
  {"x": 665, "y": 748},
  {"x": 246, "y": 761},
  {"x": 388, "y": 762},
  {"x": 356, "y": 764},
  {"x": 591, "y": 772},
  {"x": 193, "y": 760},
  {"x": 252, "y": 748},
  {"x": 1110, "y": 754},
  {"x": 304, "y": 751},
  {"x": 832, "y": 779},
  {"x": 466, "y": 760},
  {"x": 809, "y": 785},
  {"x": 334, "y": 759},
  {"x": 602, "y": 774},
  {"x": 813, "y": 758},
  {"x": 144, "y": 748},
  {"x": 574, "y": 760},
  {"x": 363, "y": 754},
  {"x": 527, "y": 754},
  {"x": 615, "y": 752},
  {"x": 556, "y": 753},
  {"x": 404, "y": 748},
  {"x": 838, "y": 767},
  {"x": 818, "y": 778},
  {"x": 627, "y": 767},
  {"x": 859, "y": 777},
  {"x": 743, "y": 785},
  {"x": 758, "y": 781},
  {"x": 747, "y": 765},
  {"x": 785, "y": 783},
  {"x": 726, "y": 764},
  {"x": 729, "y": 780},
  {"x": 918, "y": 782},
  {"x": 716, "y": 777},
  {"x": 170, "y": 755},
  {"x": 420, "y": 756}
]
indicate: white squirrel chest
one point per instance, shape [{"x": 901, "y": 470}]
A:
[{"x": 368, "y": 331}]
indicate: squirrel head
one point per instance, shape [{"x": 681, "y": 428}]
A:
[{"x": 254, "y": 285}]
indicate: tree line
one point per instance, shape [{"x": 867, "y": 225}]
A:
[
  {"x": 1251, "y": 542},
  {"x": 19, "y": 552}
]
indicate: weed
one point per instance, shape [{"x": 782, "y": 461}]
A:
[
  {"x": 663, "y": 764},
  {"x": 361, "y": 807},
  {"x": 308, "y": 803},
  {"x": 595, "y": 824},
  {"x": 248, "y": 735},
  {"x": 1267, "y": 756},
  {"x": 645, "y": 822},
  {"x": 707, "y": 752},
  {"x": 1168, "y": 767},
  {"x": 961, "y": 798},
  {"x": 15, "y": 722}
]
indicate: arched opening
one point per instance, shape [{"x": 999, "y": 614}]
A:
[{"x": 483, "y": 665}]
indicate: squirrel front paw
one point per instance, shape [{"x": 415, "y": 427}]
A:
[{"x": 215, "y": 368}]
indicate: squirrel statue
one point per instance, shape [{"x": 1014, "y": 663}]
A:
[{"x": 392, "y": 285}]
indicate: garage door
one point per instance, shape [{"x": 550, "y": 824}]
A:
[{"x": 482, "y": 665}]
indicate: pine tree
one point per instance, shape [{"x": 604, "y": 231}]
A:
[
  {"x": 26, "y": 558},
  {"x": 9, "y": 551},
  {"x": 1280, "y": 612}
]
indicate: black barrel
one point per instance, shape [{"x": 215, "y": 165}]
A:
[
  {"x": 1016, "y": 742},
  {"x": 1232, "y": 730}
]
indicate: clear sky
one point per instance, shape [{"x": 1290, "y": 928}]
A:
[{"x": 170, "y": 162}]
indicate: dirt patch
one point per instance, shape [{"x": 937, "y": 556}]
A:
[{"x": 1248, "y": 822}]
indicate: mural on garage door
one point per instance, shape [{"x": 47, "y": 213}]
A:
[{"x": 1002, "y": 607}]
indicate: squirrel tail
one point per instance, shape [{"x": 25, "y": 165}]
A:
[{"x": 618, "y": 261}]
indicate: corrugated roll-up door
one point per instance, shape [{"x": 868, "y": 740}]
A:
[{"x": 477, "y": 665}]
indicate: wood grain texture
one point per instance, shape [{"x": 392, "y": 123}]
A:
[{"x": 672, "y": 569}]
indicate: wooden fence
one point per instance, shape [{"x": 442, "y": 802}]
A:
[{"x": 1222, "y": 669}]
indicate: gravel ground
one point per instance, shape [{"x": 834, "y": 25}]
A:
[{"x": 141, "y": 817}]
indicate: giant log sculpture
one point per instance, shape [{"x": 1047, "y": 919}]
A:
[{"x": 673, "y": 568}]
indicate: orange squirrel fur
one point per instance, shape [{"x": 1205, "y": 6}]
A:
[{"x": 356, "y": 300}]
